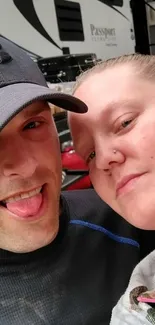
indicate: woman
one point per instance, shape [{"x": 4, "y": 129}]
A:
[{"x": 116, "y": 138}]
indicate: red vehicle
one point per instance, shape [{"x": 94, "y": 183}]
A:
[{"x": 76, "y": 172}]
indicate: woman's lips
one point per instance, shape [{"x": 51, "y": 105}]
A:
[{"x": 122, "y": 185}]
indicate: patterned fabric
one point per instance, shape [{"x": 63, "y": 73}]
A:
[{"x": 129, "y": 310}]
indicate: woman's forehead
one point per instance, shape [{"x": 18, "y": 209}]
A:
[
  {"x": 104, "y": 90},
  {"x": 96, "y": 81}
]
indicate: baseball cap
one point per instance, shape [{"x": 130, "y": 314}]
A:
[{"x": 22, "y": 83}]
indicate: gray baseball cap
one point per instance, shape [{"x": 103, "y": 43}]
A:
[{"x": 22, "y": 83}]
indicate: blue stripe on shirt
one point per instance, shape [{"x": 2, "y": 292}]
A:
[{"x": 120, "y": 239}]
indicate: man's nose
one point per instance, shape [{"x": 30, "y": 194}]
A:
[{"x": 19, "y": 160}]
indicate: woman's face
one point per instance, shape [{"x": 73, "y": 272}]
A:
[{"x": 116, "y": 137}]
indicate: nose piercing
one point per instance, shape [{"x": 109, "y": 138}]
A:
[{"x": 114, "y": 151}]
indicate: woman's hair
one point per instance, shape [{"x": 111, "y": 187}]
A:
[{"x": 144, "y": 65}]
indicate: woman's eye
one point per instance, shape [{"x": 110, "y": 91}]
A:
[
  {"x": 32, "y": 125},
  {"x": 90, "y": 157},
  {"x": 124, "y": 124}
]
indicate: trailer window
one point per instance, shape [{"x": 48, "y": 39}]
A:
[
  {"x": 69, "y": 20},
  {"x": 117, "y": 3}
]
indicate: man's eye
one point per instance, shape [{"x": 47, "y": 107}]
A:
[
  {"x": 90, "y": 157},
  {"x": 32, "y": 125}
]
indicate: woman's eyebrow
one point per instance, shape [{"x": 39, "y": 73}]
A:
[{"x": 113, "y": 106}]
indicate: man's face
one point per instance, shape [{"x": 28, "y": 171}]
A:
[
  {"x": 121, "y": 117},
  {"x": 30, "y": 180}
]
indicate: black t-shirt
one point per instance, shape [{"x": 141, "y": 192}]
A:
[{"x": 77, "y": 279}]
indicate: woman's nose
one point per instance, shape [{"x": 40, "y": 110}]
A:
[{"x": 106, "y": 158}]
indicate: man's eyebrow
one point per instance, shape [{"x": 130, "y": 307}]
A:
[{"x": 36, "y": 110}]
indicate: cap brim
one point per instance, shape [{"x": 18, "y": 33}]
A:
[{"x": 15, "y": 97}]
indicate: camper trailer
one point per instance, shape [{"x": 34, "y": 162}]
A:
[
  {"x": 150, "y": 14},
  {"x": 48, "y": 28}
]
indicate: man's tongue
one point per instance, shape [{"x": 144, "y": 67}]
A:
[{"x": 25, "y": 208}]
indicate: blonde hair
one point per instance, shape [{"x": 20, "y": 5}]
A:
[{"x": 143, "y": 64}]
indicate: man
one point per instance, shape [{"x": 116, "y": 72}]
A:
[{"x": 60, "y": 255}]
